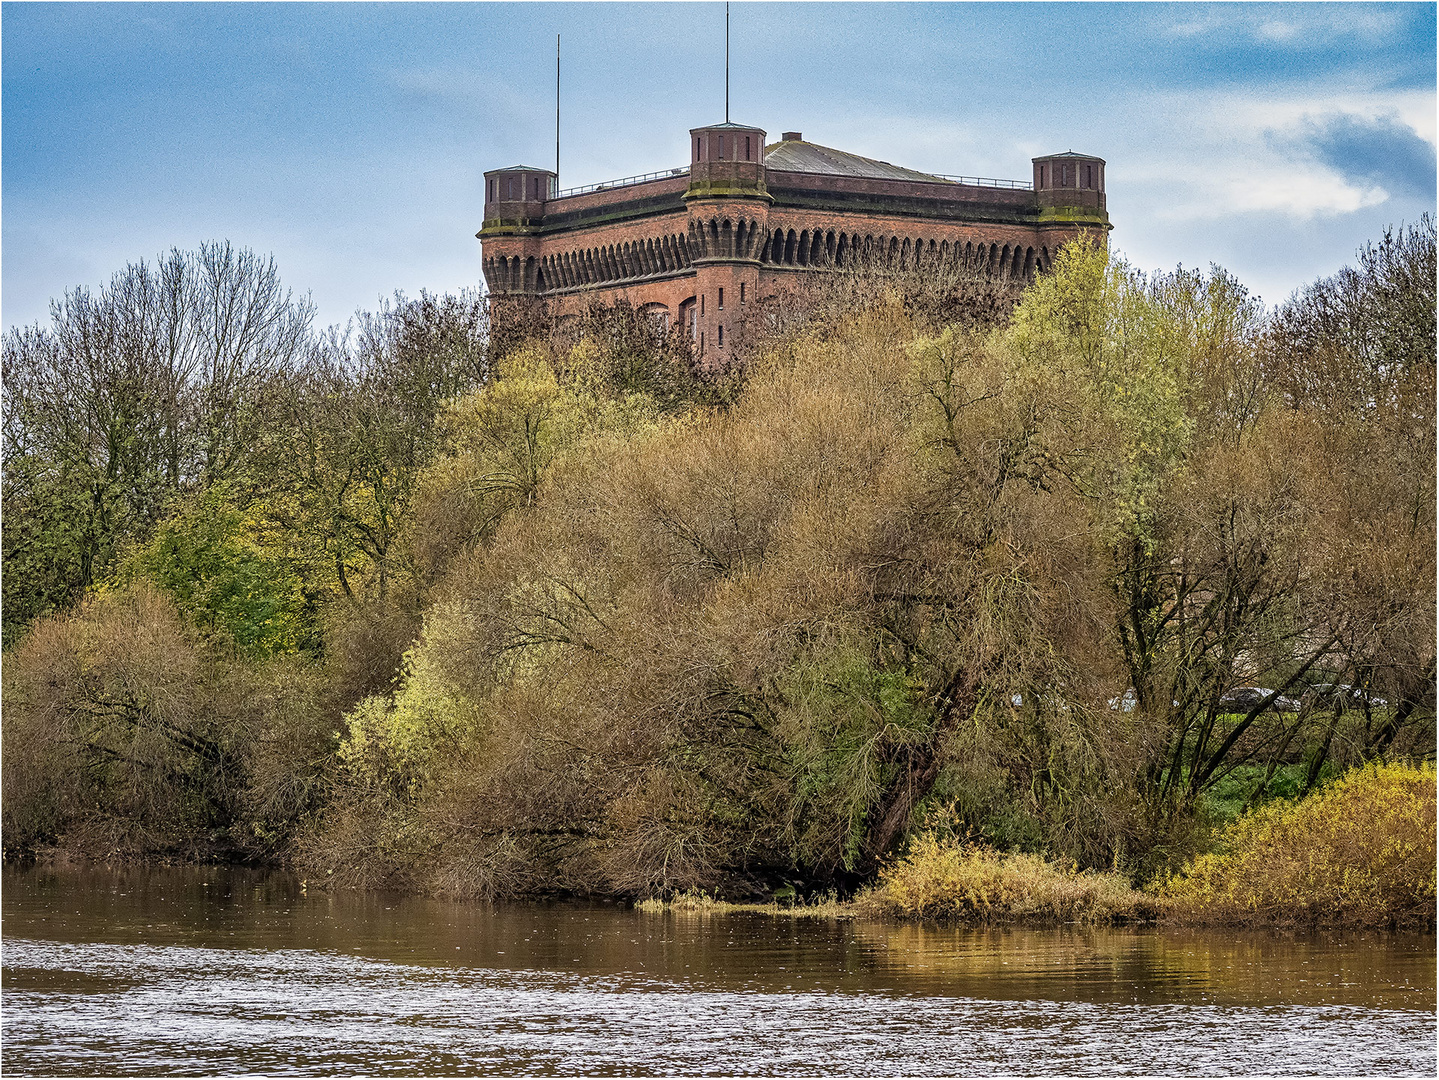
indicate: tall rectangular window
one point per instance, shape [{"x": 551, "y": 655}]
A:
[
  {"x": 721, "y": 298},
  {"x": 746, "y": 148},
  {"x": 741, "y": 292},
  {"x": 721, "y": 337},
  {"x": 721, "y": 147}
]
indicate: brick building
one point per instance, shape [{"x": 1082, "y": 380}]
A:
[{"x": 698, "y": 245}]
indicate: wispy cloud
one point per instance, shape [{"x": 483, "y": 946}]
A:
[{"x": 1295, "y": 26}]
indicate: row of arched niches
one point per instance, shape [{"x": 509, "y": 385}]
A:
[{"x": 715, "y": 239}]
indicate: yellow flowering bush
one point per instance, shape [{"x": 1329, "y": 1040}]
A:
[{"x": 1360, "y": 852}]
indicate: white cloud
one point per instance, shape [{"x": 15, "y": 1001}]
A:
[
  {"x": 1273, "y": 188},
  {"x": 1249, "y": 113},
  {"x": 1206, "y": 156}
]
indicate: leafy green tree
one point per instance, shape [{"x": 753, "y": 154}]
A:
[{"x": 206, "y": 557}]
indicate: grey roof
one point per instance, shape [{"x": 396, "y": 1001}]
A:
[
  {"x": 729, "y": 124},
  {"x": 522, "y": 168},
  {"x": 794, "y": 155},
  {"x": 1070, "y": 153}
]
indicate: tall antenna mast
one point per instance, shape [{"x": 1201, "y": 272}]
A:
[
  {"x": 557, "y": 112},
  {"x": 726, "y": 61}
]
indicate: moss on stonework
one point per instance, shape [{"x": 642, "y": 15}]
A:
[
  {"x": 721, "y": 189},
  {"x": 1073, "y": 213},
  {"x": 508, "y": 225}
]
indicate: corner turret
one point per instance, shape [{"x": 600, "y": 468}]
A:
[
  {"x": 1071, "y": 186},
  {"x": 727, "y": 160},
  {"x": 515, "y": 198}
]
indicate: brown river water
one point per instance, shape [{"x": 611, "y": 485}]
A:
[{"x": 198, "y": 971}]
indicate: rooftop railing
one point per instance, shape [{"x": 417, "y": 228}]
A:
[
  {"x": 605, "y": 185},
  {"x": 987, "y": 181},
  {"x": 971, "y": 181},
  {"x": 666, "y": 174}
]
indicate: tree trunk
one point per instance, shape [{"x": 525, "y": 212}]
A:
[{"x": 919, "y": 768}]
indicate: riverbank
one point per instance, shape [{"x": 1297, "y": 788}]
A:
[{"x": 1358, "y": 854}]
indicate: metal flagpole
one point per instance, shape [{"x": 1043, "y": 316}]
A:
[
  {"x": 557, "y": 112},
  {"x": 726, "y": 61}
]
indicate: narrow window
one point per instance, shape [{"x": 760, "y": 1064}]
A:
[
  {"x": 721, "y": 338},
  {"x": 702, "y": 303},
  {"x": 1041, "y": 176},
  {"x": 721, "y": 147},
  {"x": 702, "y": 341},
  {"x": 741, "y": 292},
  {"x": 721, "y": 298},
  {"x": 746, "y": 148},
  {"x": 697, "y": 149}
]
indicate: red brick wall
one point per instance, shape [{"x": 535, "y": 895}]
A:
[{"x": 640, "y": 242}]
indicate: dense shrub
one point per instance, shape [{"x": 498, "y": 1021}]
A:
[
  {"x": 125, "y": 734},
  {"x": 943, "y": 878},
  {"x": 1360, "y": 852}
]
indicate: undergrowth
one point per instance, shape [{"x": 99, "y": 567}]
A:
[
  {"x": 1360, "y": 852},
  {"x": 968, "y": 882}
]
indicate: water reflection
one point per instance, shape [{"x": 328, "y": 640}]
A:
[{"x": 206, "y": 970}]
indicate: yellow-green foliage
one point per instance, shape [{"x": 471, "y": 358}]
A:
[
  {"x": 945, "y": 878},
  {"x": 827, "y": 906},
  {"x": 1361, "y": 852},
  {"x": 1117, "y": 347},
  {"x": 397, "y": 743}
]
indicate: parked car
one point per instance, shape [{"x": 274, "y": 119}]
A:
[
  {"x": 1241, "y": 699},
  {"x": 1341, "y": 696}
]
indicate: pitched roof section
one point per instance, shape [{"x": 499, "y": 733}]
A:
[{"x": 796, "y": 156}]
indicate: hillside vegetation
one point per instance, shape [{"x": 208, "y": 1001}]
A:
[{"x": 529, "y": 608}]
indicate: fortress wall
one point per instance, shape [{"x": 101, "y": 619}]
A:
[{"x": 729, "y": 223}]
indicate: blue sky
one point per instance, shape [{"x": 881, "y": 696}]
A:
[{"x": 350, "y": 140}]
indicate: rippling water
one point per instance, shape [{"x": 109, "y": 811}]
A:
[{"x": 205, "y": 971}]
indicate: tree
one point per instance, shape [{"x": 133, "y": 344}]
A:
[{"x": 131, "y": 397}]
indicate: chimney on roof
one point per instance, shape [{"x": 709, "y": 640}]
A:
[{"x": 793, "y": 136}]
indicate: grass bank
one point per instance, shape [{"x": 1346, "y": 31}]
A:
[
  {"x": 825, "y": 907},
  {"x": 963, "y": 883}
]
